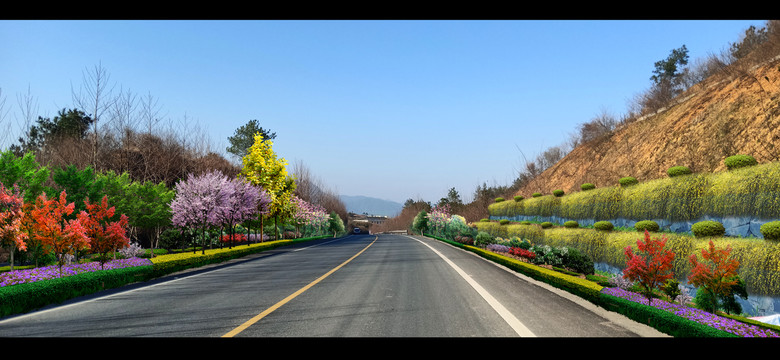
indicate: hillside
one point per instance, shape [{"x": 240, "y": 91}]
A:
[
  {"x": 731, "y": 113},
  {"x": 371, "y": 206}
]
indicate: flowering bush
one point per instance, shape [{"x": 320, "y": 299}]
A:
[
  {"x": 234, "y": 238},
  {"x": 497, "y": 248},
  {"x": 134, "y": 250},
  {"x": 700, "y": 316},
  {"x": 438, "y": 218},
  {"x": 51, "y": 272},
  {"x": 523, "y": 253},
  {"x": 258, "y": 237},
  {"x": 546, "y": 254},
  {"x": 621, "y": 282}
]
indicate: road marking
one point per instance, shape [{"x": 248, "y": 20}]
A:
[
  {"x": 122, "y": 292},
  {"x": 271, "y": 309},
  {"x": 510, "y": 319}
]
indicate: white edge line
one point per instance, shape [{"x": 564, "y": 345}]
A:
[{"x": 516, "y": 325}]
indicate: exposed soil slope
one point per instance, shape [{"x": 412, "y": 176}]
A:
[{"x": 731, "y": 113}]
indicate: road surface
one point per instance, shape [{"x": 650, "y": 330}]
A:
[{"x": 356, "y": 286}]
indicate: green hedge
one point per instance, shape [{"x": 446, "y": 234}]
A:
[
  {"x": 739, "y": 161},
  {"x": 628, "y": 181},
  {"x": 22, "y": 298},
  {"x": 603, "y": 225},
  {"x": 581, "y": 287},
  {"x": 708, "y": 228},
  {"x": 184, "y": 261},
  {"x": 678, "y": 171},
  {"x": 571, "y": 224},
  {"x": 771, "y": 230},
  {"x": 661, "y": 320},
  {"x": 648, "y": 225}
]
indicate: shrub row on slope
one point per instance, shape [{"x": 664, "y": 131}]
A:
[
  {"x": 759, "y": 260},
  {"x": 752, "y": 191}
]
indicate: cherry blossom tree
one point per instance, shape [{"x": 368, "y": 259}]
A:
[
  {"x": 243, "y": 201},
  {"x": 196, "y": 200},
  {"x": 308, "y": 214}
]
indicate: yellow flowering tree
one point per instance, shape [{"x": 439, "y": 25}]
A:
[{"x": 263, "y": 168}]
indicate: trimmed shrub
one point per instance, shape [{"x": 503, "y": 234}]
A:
[
  {"x": 603, "y": 225},
  {"x": 708, "y": 228},
  {"x": 172, "y": 239},
  {"x": 558, "y": 193},
  {"x": 546, "y": 225},
  {"x": 577, "y": 261},
  {"x": 518, "y": 198},
  {"x": 503, "y": 221},
  {"x": 738, "y": 161},
  {"x": 484, "y": 220},
  {"x": 771, "y": 230},
  {"x": 678, "y": 170},
  {"x": 525, "y": 222},
  {"x": 536, "y": 194},
  {"x": 522, "y": 244},
  {"x": 628, "y": 181},
  {"x": 648, "y": 225},
  {"x": 499, "y": 199},
  {"x": 483, "y": 239},
  {"x": 587, "y": 186},
  {"x": 571, "y": 224}
]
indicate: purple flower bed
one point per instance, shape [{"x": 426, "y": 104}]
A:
[
  {"x": 51, "y": 272},
  {"x": 700, "y": 316}
]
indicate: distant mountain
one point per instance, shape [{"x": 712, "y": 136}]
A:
[{"x": 371, "y": 206}]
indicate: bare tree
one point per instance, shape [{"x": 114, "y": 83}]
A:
[
  {"x": 28, "y": 106},
  {"x": 95, "y": 96},
  {"x": 598, "y": 127},
  {"x": 122, "y": 124},
  {"x": 150, "y": 118},
  {"x": 308, "y": 188}
]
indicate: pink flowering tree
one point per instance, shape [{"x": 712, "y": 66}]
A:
[
  {"x": 197, "y": 202},
  {"x": 307, "y": 214},
  {"x": 243, "y": 202},
  {"x": 438, "y": 218}
]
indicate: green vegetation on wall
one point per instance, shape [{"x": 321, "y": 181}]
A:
[
  {"x": 759, "y": 260},
  {"x": 752, "y": 191}
]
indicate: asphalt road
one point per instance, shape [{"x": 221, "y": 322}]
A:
[{"x": 356, "y": 286}]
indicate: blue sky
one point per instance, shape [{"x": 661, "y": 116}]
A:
[{"x": 389, "y": 109}]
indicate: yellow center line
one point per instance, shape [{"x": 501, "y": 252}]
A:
[{"x": 271, "y": 309}]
